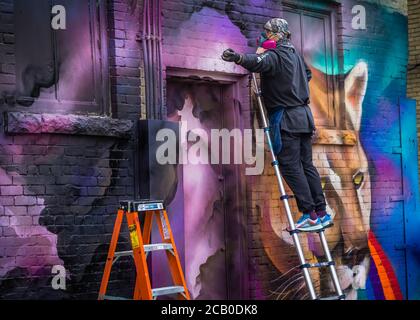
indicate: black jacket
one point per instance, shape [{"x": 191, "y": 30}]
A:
[{"x": 284, "y": 83}]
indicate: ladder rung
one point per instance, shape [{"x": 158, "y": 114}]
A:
[
  {"x": 147, "y": 248},
  {"x": 142, "y": 205},
  {"x": 167, "y": 290},
  {"x": 311, "y": 231},
  {"x": 287, "y": 196},
  {"x": 342, "y": 297},
  {"x": 157, "y": 246},
  {"x": 318, "y": 265},
  {"x": 113, "y": 298},
  {"x": 300, "y": 231},
  {"x": 123, "y": 253}
]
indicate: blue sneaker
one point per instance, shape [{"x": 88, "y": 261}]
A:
[
  {"x": 305, "y": 223},
  {"x": 326, "y": 220}
]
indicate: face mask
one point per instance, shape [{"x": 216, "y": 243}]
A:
[
  {"x": 265, "y": 43},
  {"x": 261, "y": 39}
]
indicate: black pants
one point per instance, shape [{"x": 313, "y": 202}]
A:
[{"x": 295, "y": 159}]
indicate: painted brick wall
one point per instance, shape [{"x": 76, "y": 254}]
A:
[
  {"x": 124, "y": 21},
  {"x": 59, "y": 193},
  {"x": 7, "y": 51},
  {"x": 413, "y": 78},
  {"x": 269, "y": 248},
  {"x": 267, "y": 251},
  {"x": 267, "y": 254}
]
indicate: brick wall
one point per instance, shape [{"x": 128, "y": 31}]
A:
[
  {"x": 413, "y": 78},
  {"x": 59, "y": 193},
  {"x": 268, "y": 245},
  {"x": 7, "y": 52},
  {"x": 124, "y": 20}
]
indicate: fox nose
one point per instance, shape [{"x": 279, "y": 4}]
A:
[{"x": 355, "y": 233}]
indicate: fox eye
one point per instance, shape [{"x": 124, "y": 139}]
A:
[{"x": 358, "y": 179}]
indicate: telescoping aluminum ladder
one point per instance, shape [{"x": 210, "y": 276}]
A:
[
  {"x": 292, "y": 229},
  {"x": 141, "y": 247}
]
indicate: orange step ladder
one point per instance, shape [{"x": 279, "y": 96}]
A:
[{"x": 141, "y": 247}]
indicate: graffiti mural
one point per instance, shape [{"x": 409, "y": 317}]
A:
[
  {"x": 367, "y": 269},
  {"x": 347, "y": 185},
  {"x": 203, "y": 208},
  {"x": 59, "y": 193},
  {"x": 204, "y": 100},
  {"x": 344, "y": 98},
  {"x": 26, "y": 244}
]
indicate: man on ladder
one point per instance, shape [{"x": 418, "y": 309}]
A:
[{"x": 285, "y": 89}]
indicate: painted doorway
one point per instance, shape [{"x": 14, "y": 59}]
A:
[{"x": 212, "y": 190}]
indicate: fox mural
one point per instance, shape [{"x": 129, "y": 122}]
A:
[
  {"x": 344, "y": 168},
  {"x": 346, "y": 183}
]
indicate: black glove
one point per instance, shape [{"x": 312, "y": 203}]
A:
[{"x": 231, "y": 56}]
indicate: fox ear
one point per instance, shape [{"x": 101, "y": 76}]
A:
[{"x": 355, "y": 89}]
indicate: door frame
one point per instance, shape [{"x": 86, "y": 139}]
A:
[{"x": 237, "y": 85}]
